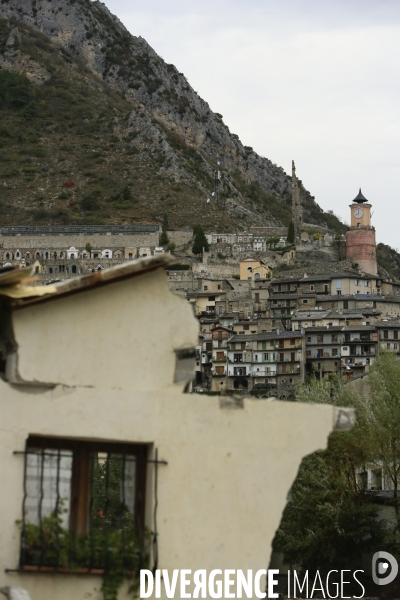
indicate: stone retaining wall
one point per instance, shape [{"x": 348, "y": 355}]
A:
[{"x": 79, "y": 241}]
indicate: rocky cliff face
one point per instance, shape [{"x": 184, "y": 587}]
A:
[{"x": 168, "y": 118}]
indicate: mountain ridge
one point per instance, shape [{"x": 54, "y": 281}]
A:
[{"x": 166, "y": 121}]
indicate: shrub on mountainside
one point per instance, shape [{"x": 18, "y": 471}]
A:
[{"x": 91, "y": 201}]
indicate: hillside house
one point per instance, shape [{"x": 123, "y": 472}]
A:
[{"x": 254, "y": 269}]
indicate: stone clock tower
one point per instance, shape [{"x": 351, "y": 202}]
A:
[{"x": 360, "y": 237}]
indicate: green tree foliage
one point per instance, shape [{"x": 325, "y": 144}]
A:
[
  {"x": 15, "y": 90},
  {"x": 126, "y": 193},
  {"x": 91, "y": 201},
  {"x": 379, "y": 419},
  {"x": 291, "y": 234},
  {"x": 165, "y": 225},
  {"x": 200, "y": 240},
  {"x": 164, "y": 240},
  {"x": 272, "y": 241},
  {"x": 171, "y": 247},
  {"x": 389, "y": 259},
  {"x": 329, "y": 522}
]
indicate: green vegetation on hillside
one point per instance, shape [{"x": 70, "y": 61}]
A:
[
  {"x": 388, "y": 259},
  {"x": 73, "y": 150},
  {"x": 67, "y": 153}
]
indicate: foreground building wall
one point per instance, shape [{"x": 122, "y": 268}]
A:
[{"x": 109, "y": 364}]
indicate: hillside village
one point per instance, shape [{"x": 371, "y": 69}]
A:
[
  {"x": 119, "y": 185},
  {"x": 271, "y": 311}
]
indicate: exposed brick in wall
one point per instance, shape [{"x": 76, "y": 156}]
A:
[{"x": 361, "y": 249}]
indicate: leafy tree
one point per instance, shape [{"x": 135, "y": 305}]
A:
[
  {"x": 326, "y": 524},
  {"x": 291, "y": 234},
  {"x": 272, "y": 241},
  {"x": 171, "y": 247},
  {"x": 329, "y": 522},
  {"x": 379, "y": 418},
  {"x": 88, "y": 247},
  {"x": 200, "y": 240}
]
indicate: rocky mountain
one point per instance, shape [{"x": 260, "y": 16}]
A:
[
  {"x": 108, "y": 131},
  {"x": 389, "y": 260}
]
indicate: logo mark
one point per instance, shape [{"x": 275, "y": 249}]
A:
[{"x": 386, "y": 560}]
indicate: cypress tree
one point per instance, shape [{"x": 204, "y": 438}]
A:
[
  {"x": 164, "y": 240},
  {"x": 200, "y": 240},
  {"x": 290, "y": 235}
]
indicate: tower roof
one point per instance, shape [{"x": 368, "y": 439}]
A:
[{"x": 360, "y": 198}]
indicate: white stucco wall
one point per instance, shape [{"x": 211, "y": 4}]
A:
[{"x": 221, "y": 495}]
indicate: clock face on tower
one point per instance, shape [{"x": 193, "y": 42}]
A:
[{"x": 358, "y": 213}]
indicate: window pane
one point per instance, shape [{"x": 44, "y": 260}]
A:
[
  {"x": 113, "y": 489},
  {"x": 42, "y": 488}
]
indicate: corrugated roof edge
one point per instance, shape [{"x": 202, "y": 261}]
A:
[{"x": 101, "y": 277}]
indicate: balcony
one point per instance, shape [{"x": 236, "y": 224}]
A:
[
  {"x": 220, "y": 343},
  {"x": 325, "y": 343},
  {"x": 264, "y": 386},
  {"x": 325, "y": 355},
  {"x": 356, "y": 364},
  {"x": 239, "y": 373},
  {"x": 290, "y": 371},
  {"x": 220, "y": 360},
  {"x": 263, "y": 362},
  {"x": 287, "y": 360},
  {"x": 264, "y": 373}
]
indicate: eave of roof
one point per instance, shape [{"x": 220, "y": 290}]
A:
[{"x": 100, "y": 278}]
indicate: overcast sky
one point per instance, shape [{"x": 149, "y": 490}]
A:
[{"x": 316, "y": 81}]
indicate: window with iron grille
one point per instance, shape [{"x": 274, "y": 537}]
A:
[{"x": 83, "y": 505}]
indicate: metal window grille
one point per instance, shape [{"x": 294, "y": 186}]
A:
[{"x": 83, "y": 505}]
